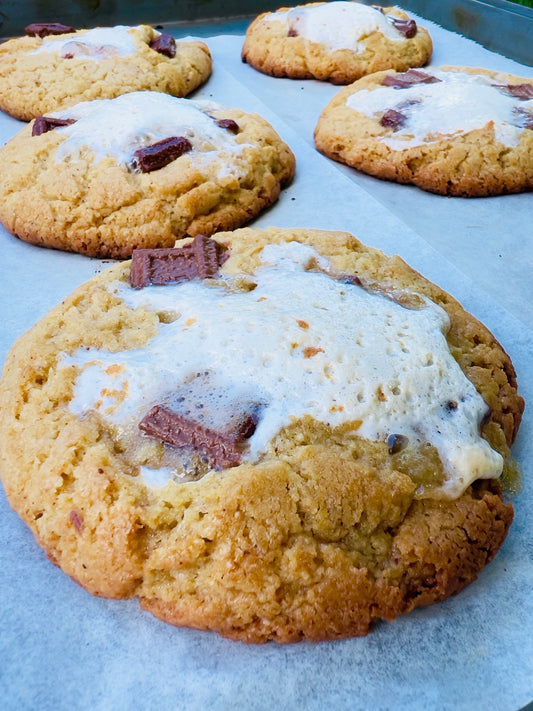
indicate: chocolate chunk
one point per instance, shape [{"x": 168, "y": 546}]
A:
[
  {"x": 229, "y": 124},
  {"x": 408, "y": 28},
  {"x": 451, "y": 405},
  {"x": 392, "y": 119},
  {"x": 396, "y": 442},
  {"x": 43, "y": 124},
  {"x": 201, "y": 258},
  {"x": 164, "y": 44},
  {"x": 524, "y": 92},
  {"x": 42, "y": 29},
  {"x": 219, "y": 449},
  {"x": 408, "y": 78},
  {"x": 525, "y": 118},
  {"x": 486, "y": 417},
  {"x": 351, "y": 279},
  {"x": 160, "y": 154}
]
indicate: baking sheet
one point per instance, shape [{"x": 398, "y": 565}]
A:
[{"x": 61, "y": 648}]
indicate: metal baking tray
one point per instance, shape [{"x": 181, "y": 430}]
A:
[{"x": 499, "y": 25}]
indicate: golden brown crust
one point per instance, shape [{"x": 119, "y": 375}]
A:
[
  {"x": 35, "y": 84},
  {"x": 102, "y": 209},
  {"x": 473, "y": 164},
  {"x": 270, "y": 49},
  {"x": 318, "y": 541}
]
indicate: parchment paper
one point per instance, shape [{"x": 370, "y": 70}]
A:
[{"x": 61, "y": 648}]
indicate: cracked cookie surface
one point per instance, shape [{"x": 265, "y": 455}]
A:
[
  {"x": 336, "y": 41},
  {"x": 43, "y": 74},
  {"x": 71, "y": 181},
  {"x": 318, "y": 532},
  {"x": 453, "y": 131}
]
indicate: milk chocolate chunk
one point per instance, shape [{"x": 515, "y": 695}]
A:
[
  {"x": 201, "y": 258},
  {"x": 392, "y": 119},
  {"x": 351, "y": 279},
  {"x": 219, "y": 449},
  {"x": 408, "y": 78},
  {"x": 164, "y": 44},
  {"x": 408, "y": 28},
  {"x": 525, "y": 118},
  {"x": 229, "y": 124},
  {"x": 160, "y": 154},
  {"x": 43, "y": 124},
  {"x": 524, "y": 92},
  {"x": 42, "y": 29},
  {"x": 396, "y": 442}
]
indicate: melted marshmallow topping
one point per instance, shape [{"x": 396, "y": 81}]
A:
[
  {"x": 299, "y": 343},
  {"x": 339, "y": 25},
  {"x": 458, "y": 103},
  {"x": 93, "y": 44},
  {"x": 118, "y": 127}
]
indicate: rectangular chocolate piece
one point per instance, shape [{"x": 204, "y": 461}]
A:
[
  {"x": 43, "y": 124},
  {"x": 524, "y": 92},
  {"x": 219, "y": 449},
  {"x": 229, "y": 124},
  {"x": 408, "y": 28},
  {"x": 164, "y": 44},
  {"x": 200, "y": 258},
  {"x": 160, "y": 154},
  {"x": 408, "y": 78},
  {"x": 43, "y": 29},
  {"x": 392, "y": 119}
]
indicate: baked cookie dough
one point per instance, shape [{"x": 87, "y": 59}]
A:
[
  {"x": 335, "y": 41},
  {"x": 105, "y": 177},
  {"x": 48, "y": 71},
  {"x": 454, "y": 130},
  {"x": 272, "y": 434}
]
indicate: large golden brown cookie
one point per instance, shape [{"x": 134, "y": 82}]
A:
[
  {"x": 454, "y": 131},
  {"x": 335, "y": 41},
  {"x": 274, "y": 435},
  {"x": 107, "y": 176},
  {"x": 45, "y": 71}
]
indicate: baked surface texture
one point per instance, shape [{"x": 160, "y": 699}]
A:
[
  {"x": 322, "y": 535},
  {"x": 79, "y": 187},
  {"x": 348, "y": 42},
  {"x": 453, "y": 131},
  {"x": 34, "y": 82}
]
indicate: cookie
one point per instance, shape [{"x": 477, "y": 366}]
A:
[
  {"x": 337, "y": 42},
  {"x": 453, "y": 131},
  {"x": 70, "y": 180},
  {"x": 272, "y": 434},
  {"x": 52, "y": 67}
]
